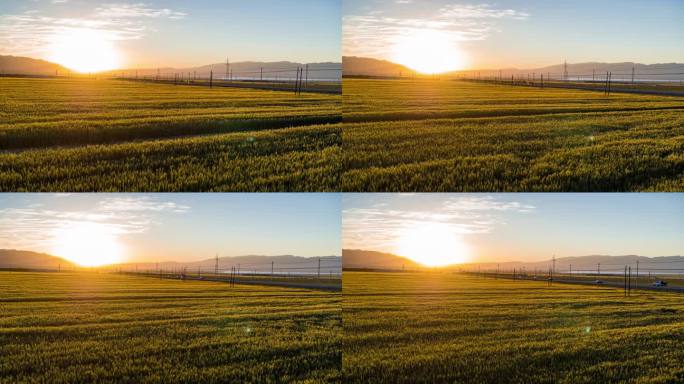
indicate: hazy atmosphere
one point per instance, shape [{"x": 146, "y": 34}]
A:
[
  {"x": 433, "y": 36},
  {"x": 90, "y": 36},
  {"x": 459, "y": 228},
  {"x": 96, "y": 229}
]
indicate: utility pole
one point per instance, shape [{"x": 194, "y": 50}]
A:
[
  {"x": 319, "y": 267},
  {"x": 632, "y": 74},
  {"x": 565, "y": 70},
  {"x": 637, "y": 272},
  {"x": 598, "y": 269},
  {"x": 553, "y": 270},
  {"x": 271, "y": 268},
  {"x": 216, "y": 265},
  {"x": 227, "y": 68}
]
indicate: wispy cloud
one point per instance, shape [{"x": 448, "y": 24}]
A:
[
  {"x": 33, "y": 227},
  {"x": 129, "y": 11},
  {"x": 32, "y": 32},
  {"x": 378, "y": 226},
  {"x": 375, "y": 33}
]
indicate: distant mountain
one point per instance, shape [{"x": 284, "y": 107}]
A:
[
  {"x": 11, "y": 258},
  {"x": 360, "y": 259},
  {"x": 244, "y": 70},
  {"x": 363, "y": 66},
  {"x": 586, "y": 71},
  {"x": 15, "y": 65},
  {"x": 282, "y": 264},
  {"x": 590, "y": 264}
]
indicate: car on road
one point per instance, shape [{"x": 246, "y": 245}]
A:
[
  {"x": 659, "y": 284},
  {"x": 599, "y": 282}
]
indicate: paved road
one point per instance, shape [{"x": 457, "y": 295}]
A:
[
  {"x": 615, "y": 88},
  {"x": 614, "y": 284},
  {"x": 244, "y": 281}
]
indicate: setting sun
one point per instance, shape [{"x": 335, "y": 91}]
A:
[
  {"x": 434, "y": 245},
  {"x": 429, "y": 52},
  {"x": 88, "y": 244},
  {"x": 84, "y": 50}
]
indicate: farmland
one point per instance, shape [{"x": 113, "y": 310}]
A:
[
  {"x": 425, "y": 135},
  {"x": 78, "y": 327},
  {"x": 438, "y": 327},
  {"x": 109, "y": 135}
]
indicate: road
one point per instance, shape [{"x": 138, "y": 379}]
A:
[{"x": 244, "y": 280}]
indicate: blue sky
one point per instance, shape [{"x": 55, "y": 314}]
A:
[
  {"x": 151, "y": 33},
  {"x": 524, "y": 33},
  {"x": 180, "y": 227},
  {"x": 523, "y": 227}
]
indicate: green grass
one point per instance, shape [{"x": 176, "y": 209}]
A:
[
  {"x": 463, "y": 136},
  {"x": 87, "y": 327},
  {"x": 108, "y": 135},
  {"x": 431, "y": 327}
]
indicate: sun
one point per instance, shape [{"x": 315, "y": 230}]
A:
[
  {"x": 429, "y": 52},
  {"x": 433, "y": 245},
  {"x": 87, "y": 244},
  {"x": 84, "y": 50}
]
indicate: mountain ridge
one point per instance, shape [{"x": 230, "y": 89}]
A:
[
  {"x": 354, "y": 66},
  {"x": 354, "y": 259}
]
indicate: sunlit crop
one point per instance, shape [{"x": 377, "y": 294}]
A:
[
  {"x": 424, "y": 135},
  {"x": 452, "y": 328},
  {"x": 88, "y": 327},
  {"x": 102, "y": 135}
]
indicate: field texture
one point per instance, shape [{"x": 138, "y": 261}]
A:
[
  {"x": 424, "y": 328},
  {"x": 108, "y": 135},
  {"x": 422, "y": 135},
  {"x": 66, "y": 328}
]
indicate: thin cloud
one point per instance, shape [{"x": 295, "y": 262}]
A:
[
  {"x": 33, "y": 227},
  {"x": 31, "y": 33},
  {"x": 374, "y": 33},
  {"x": 378, "y": 227},
  {"x": 139, "y": 10}
]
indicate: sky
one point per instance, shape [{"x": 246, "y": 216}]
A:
[
  {"x": 152, "y": 33},
  {"x": 519, "y": 227},
  {"x": 172, "y": 227},
  {"x": 520, "y": 33}
]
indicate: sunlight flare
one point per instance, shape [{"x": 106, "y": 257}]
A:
[
  {"x": 433, "y": 244},
  {"x": 87, "y": 244},
  {"x": 84, "y": 50},
  {"x": 428, "y": 52}
]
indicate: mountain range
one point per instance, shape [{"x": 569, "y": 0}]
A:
[
  {"x": 10, "y": 258},
  {"x": 15, "y": 65},
  {"x": 327, "y": 71},
  {"x": 361, "y": 66},
  {"x": 361, "y": 259},
  {"x": 16, "y": 259}
]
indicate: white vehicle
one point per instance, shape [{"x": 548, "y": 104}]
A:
[{"x": 659, "y": 284}]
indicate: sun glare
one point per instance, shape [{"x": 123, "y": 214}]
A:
[
  {"x": 84, "y": 50},
  {"x": 87, "y": 244},
  {"x": 428, "y": 52},
  {"x": 434, "y": 245}
]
